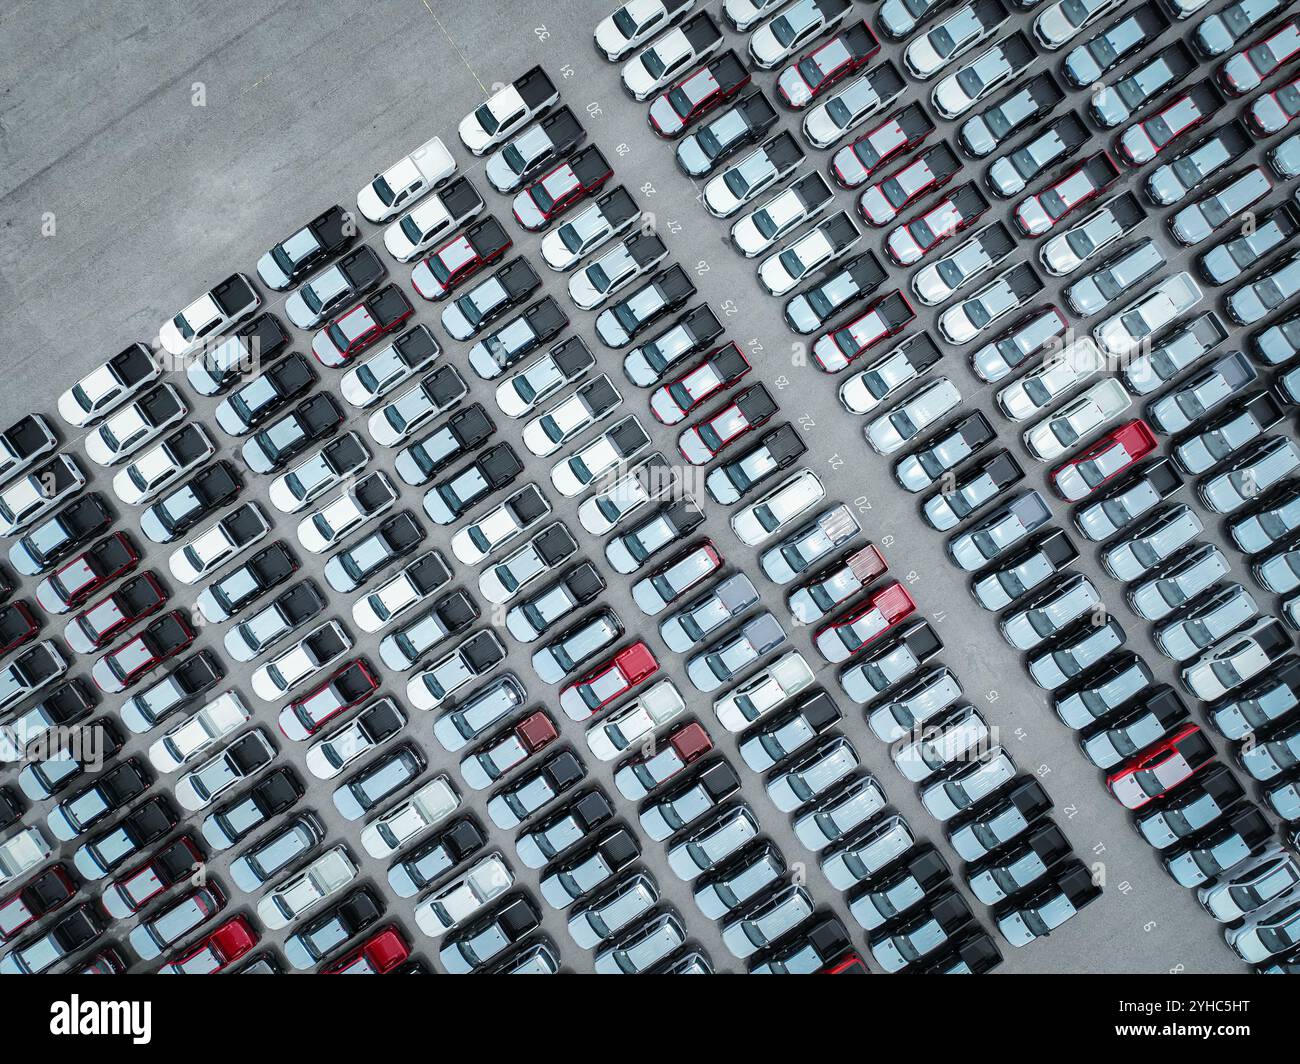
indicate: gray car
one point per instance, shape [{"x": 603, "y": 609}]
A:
[
  {"x": 759, "y": 926},
  {"x": 840, "y": 812},
  {"x": 1207, "y": 391},
  {"x": 1206, "y": 621},
  {"x": 999, "y": 532},
  {"x": 812, "y": 775},
  {"x": 1178, "y": 582},
  {"x": 920, "y": 701},
  {"x": 1157, "y": 540},
  {"x": 1114, "y": 278},
  {"x": 723, "y": 834},
  {"x": 619, "y": 907},
  {"x": 728, "y": 657},
  {"x": 882, "y": 842},
  {"x": 1050, "y": 611},
  {"x": 1077, "y": 652},
  {"x": 1258, "y": 882},
  {"x": 1252, "y": 474},
  {"x": 968, "y": 784}
]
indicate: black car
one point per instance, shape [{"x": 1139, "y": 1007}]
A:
[
  {"x": 1034, "y": 100},
  {"x": 694, "y": 331},
  {"x": 204, "y": 493},
  {"x": 815, "y": 947},
  {"x": 497, "y": 352},
  {"x": 253, "y": 403},
  {"x": 776, "y": 449},
  {"x": 999, "y": 819},
  {"x": 563, "y": 830},
  {"x": 489, "y": 938},
  {"x": 11, "y": 808},
  {"x": 53, "y": 540},
  {"x": 266, "y": 569},
  {"x": 1088, "y": 62},
  {"x": 129, "y": 837},
  {"x": 959, "y": 441},
  {"x": 619, "y": 325},
  {"x": 856, "y": 279},
  {"x": 899, "y": 887},
  {"x": 970, "y": 952},
  {"x": 289, "y": 261},
  {"x": 325, "y": 932},
  {"x": 110, "y": 792},
  {"x": 491, "y": 471},
  {"x": 432, "y": 860},
  {"x": 395, "y": 537},
  {"x": 701, "y": 152},
  {"x": 314, "y": 419},
  {"x": 471, "y": 312},
  {"x": 72, "y": 932}
]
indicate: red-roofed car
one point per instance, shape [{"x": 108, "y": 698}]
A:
[
  {"x": 163, "y": 639},
  {"x": 671, "y": 402},
  {"x": 378, "y": 955},
  {"x": 218, "y": 951},
  {"x": 131, "y": 892},
  {"x": 74, "y": 582},
  {"x": 1106, "y": 459},
  {"x": 352, "y": 332},
  {"x": 631, "y": 666},
  {"x": 1161, "y": 768},
  {"x": 482, "y": 244},
  {"x": 701, "y": 91},
  {"x": 554, "y": 193},
  {"x": 846, "y": 52},
  {"x": 350, "y": 685},
  {"x": 885, "y": 608},
  {"x": 47, "y": 892},
  {"x": 98, "y": 625}
]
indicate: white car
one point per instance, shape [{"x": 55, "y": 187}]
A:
[
  {"x": 430, "y": 688},
  {"x": 356, "y": 506},
  {"x": 849, "y": 107},
  {"x": 964, "y": 88},
  {"x": 542, "y": 554},
  {"x": 429, "y": 806},
  {"x": 162, "y": 464},
  {"x": 573, "y": 475},
  {"x": 108, "y": 386},
  {"x": 1078, "y": 420},
  {"x": 219, "y": 543},
  {"x": 589, "y": 229},
  {"x": 631, "y": 25},
  {"x": 393, "y": 364},
  {"x": 827, "y": 242},
  {"x": 1238, "y": 658},
  {"x": 761, "y": 520},
  {"x": 948, "y": 40},
  {"x": 649, "y": 479},
  {"x": 295, "y": 897},
  {"x": 964, "y": 321},
  {"x": 894, "y": 428},
  {"x": 744, "y": 15},
  {"x": 414, "y": 583},
  {"x": 405, "y": 181},
  {"x": 22, "y": 852},
  {"x": 25, "y": 500},
  {"x": 519, "y": 512},
  {"x": 765, "y": 691},
  {"x": 329, "y": 756},
  {"x": 636, "y": 721},
  {"x": 590, "y": 403},
  {"x": 399, "y": 419},
  {"x": 521, "y": 393},
  {"x": 242, "y": 759},
  {"x": 131, "y": 428},
  {"x": 1122, "y": 334},
  {"x": 1060, "y": 372},
  {"x": 614, "y": 270},
  {"x": 661, "y": 62},
  {"x": 1058, "y": 24},
  {"x": 424, "y": 225},
  {"x": 507, "y": 111},
  {"x": 454, "y": 903},
  {"x": 214, "y": 312},
  {"x": 185, "y": 740},
  {"x": 762, "y": 227},
  {"x": 343, "y": 457},
  {"x": 318, "y": 649},
  {"x": 752, "y": 175},
  {"x": 780, "y": 37}
]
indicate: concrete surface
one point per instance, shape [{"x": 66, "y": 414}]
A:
[{"x": 150, "y": 149}]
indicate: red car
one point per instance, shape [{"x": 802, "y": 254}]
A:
[
  {"x": 378, "y": 955},
  {"x": 18, "y": 625},
  {"x": 48, "y": 891},
  {"x": 910, "y": 243},
  {"x": 883, "y": 318},
  {"x": 1161, "y": 768},
  {"x": 219, "y": 950},
  {"x": 882, "y": 202},
  {"x": 588, "y": 694},
  {"x": 884, "y": 609},
  {"x": 100, "y": 624},
  {"x": 1143, "y": 141},
  {"x": 551, "y": 195},
  {"x": 854, "y": 163},
  {"x": 1036, "y": 215},
  {"x": 482, "y": 244},
  {"x": 698, "y": 94},
  {"x": 131, "y": 892},
  {"x": 671, "y": 402},
  {"x": 350, "y": 685},
  {"x": 97, "y": 566},
  {"x": 849, "y": 964},
  {"x": 353, "y": 331},
  {"x": 702, "y": 441},
  {"x": 845, "y": 53},
  {"x": 1104, "y": 460},
  {"x": 507, "y": 752},
  {"x": 645, "y": 772},
  {"x": 1249, "y": 69},
  {"x": 166, "y": 637}
]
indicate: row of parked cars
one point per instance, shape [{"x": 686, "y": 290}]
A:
[{"x": 1114, "y": 490}]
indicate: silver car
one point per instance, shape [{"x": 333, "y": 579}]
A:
[
  {"x": 1050, "y": 612},
  {"x": 1206, "y": 621},
  {"x": 1178, "y": 582},
  {"x": 909, "y": 419}
]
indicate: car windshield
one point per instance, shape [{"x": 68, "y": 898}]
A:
[{"x": 486, "y": 119}]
